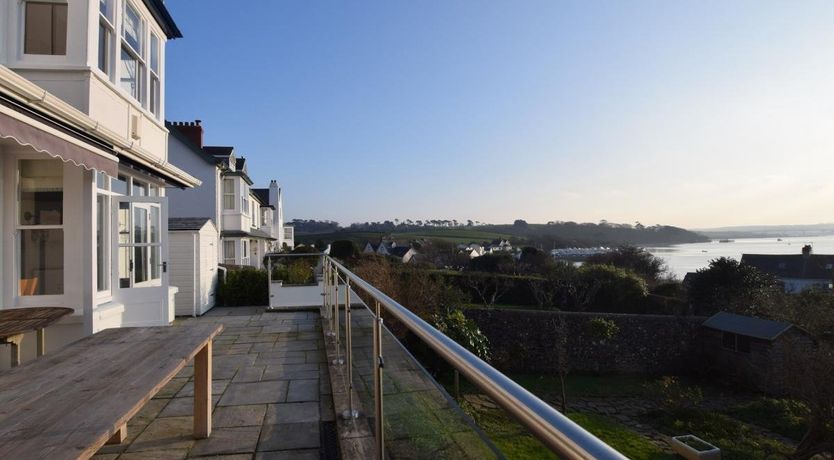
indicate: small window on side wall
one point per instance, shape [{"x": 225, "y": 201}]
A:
[{"x": 45, "y": 28}]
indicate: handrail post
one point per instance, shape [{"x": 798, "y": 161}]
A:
[
  {"x": 350, "y": 412},
  {"x": 378, "y": 364},
  {"x": 338, "y": 360},
  {"x": 269, "y": 281}
]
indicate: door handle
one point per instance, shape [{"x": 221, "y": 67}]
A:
[{"x": 165, "y": 267}]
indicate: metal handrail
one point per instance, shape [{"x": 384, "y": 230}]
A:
[{"x": 556, "y": 431}]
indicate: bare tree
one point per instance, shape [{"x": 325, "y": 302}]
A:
[{"x": 488, "y": 288}]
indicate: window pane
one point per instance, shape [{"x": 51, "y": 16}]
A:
[
  {"x": 153, "y": 190},
  {"x": 154, "y": 224},
  {"x": 124, "y": 267},
  {"x": 38, "y": 34},
  {"x": 124, "y": 238},
  {"x": 154, "y": 54},
  {"x": 106, "y": 9},
  {"x": 102, "y": 243},
  {"x": 59, "y": 29},
  {"x": 156, "y": 269},
  {"x": 130, "y": 78},
  {"x": 41, "y": 192},
  {"x": 103, "y": 47},
  {"x": 140, "y": 225},
  {"x": 228, "y": 186},
  {"x": 133, "y": 28},
  {"x": 139, "y": 188},
  {"x": 102, "y": 181},
  {"x": 41, "y": 262},
  {"x": 140, "y": 264},
  {"x": 155, "y": 103},
  {"x": 120, "y": 185}
]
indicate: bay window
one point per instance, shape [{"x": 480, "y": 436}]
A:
[
  {"x": 40, "y": 227},
  {"x": 229, "y": 252}
]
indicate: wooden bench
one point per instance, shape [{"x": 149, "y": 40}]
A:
[{"x": 70, "y": 403}]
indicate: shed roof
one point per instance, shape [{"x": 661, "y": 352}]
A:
[
  {"x": 747, "y": 325},
  {"x": 187, "y": 223}
]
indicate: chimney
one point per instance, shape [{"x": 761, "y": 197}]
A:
[
  {"x": 193, "y": 130},
  {"x": 807, "y": 250}
]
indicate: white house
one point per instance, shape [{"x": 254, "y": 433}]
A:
[
  {"x": 251, "y": 220},
  {"x": 84, "y": 161},
  {"x": 796, "y": 272}
]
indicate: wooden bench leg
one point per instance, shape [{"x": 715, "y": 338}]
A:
[
  {"x": 202, "y": 392},
  {"x": 120, "y": 436},
  {"x": 14, "y": 344},
  {"x": 41, "y": 342}
]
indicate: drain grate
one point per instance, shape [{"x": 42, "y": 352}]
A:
[{"x": 329, "y": 441}]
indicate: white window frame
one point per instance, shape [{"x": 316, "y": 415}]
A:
[
  {"x": 134, "y": 203},
  {"x": 227, "y": 193},
  {"x": 23, "y": 28},
  {"x": 106, "y": 245},
  {"x": 109, "y": 25},
  {"x": 226, "y": 258},
  {"x": 19, "y": 228},
  {"x": 138, "y": 55},
  {"x": 155, "y": 76}
]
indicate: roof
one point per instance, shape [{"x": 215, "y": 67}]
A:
[
  {"x": 811, "y": 266},
  {"x": 195, "y": 149},
  {"x": 187, "y": 223},
  {"x": 262, "y": 194},
  {"x": 240, "y": 164},
  {"x": 222, "y": 151},
  {"x": 259, "y": 234},
  {"x": 399, "y": 251},
  {"x": 163, "y": 18},
  {"x": 747, "y": 325}
]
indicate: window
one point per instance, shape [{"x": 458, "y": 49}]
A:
[
  {"x": 40, "y": 230},
  {"x": 140, "y": 244},
  {"x": 102, "y": 232},
  {"x": 155, "y": 92},
  {"x": 119, "y": 185},
  {"x": 229, "y": 252},
  {"x": 228, "y": 194},
  {"x": 735, "y": 342},
  {"x": 106, "y": 32},
  {"x": 45, "y": 28},
  {"x": 133, "y": 67},
  {"x": 244, "y": 200},
  {"x": 139, "y": 188}
]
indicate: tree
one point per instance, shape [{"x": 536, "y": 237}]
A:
[
  {"x": 488, "y": 288},
  {"x": 493, "y": 263},
  {"x": 520, "y": 223},
  {"x": 533, "y": 260},
  {"x": 344, "y": 250},
  {"x": 638, "y": 260},
  {"x": 605, "y": 288},
  {"x": 731, "y": 286}
]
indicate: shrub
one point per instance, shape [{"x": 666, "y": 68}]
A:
[
  {"x": 601, "y": 329},
  {"x": 606, "y": 288},
  {"x": 245, "y": 286},
  {"x": 464, "y": 331},
  {"x": 675, "y": 396},
  {"x": 300, "y": 272}
]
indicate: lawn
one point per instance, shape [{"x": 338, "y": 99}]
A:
[{"x": 517, "y": 443}]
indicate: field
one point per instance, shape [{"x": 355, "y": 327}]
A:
[{"x": 451, "y": 235}]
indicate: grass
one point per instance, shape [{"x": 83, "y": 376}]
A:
[
  {"x": 781, "y": 416},
  {"x": 517, "y": 443},
  {"x": 547, "y": 387},
  {"x": 736, "y": 439}
]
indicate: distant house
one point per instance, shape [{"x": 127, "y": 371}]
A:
[
  {"x": 750, "y": 351},
  {"x": 370, "y": 248},
  {"x": 797, "y": 272},
  {"x": 403, "y": 253}
]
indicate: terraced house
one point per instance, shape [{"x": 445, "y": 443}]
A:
[{"x": 84, "y": 161}]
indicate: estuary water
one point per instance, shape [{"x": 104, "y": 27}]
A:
[{"x": 683, "y": 258}]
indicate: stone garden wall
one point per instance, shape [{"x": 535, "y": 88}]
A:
[{"x": 523, "y": 341}]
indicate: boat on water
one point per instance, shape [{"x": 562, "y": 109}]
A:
[{"x": 725, "y": 241}]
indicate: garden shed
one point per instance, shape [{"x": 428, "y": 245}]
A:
[
  {"x": 193, "y": 263},
  {"x": 751, "y": 351}
]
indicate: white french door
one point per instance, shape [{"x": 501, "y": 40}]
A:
[{"x": 140, "y": 256}]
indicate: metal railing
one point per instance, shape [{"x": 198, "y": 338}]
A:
[{"x": 554, "y": 430}]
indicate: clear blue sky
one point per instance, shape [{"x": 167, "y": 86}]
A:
[{"x": 696, "y": 113}]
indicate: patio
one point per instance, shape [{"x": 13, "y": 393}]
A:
[{"x": 271, "y": 395}]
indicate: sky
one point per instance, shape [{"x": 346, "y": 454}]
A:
[{"x": 697, "y": 113}]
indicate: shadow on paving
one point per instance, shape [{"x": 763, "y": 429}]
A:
[{"x": 271, "y": 394}]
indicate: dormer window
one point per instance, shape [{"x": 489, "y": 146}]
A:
[
  {"x": 133, "y": 66},
  {"x": 45, "y": 28},
  {"x": 106, "y": 32}
]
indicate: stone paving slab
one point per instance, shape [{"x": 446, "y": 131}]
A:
[{"x": 271, "y": 394}]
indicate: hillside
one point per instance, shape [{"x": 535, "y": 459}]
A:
[{"x": 563, "y": 234}]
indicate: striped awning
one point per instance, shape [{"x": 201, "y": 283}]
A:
[{"x": 43, "y": 138}]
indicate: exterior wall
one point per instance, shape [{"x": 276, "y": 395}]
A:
[
  {"x": 75, "y": 77},
  {"x": 198, "y": 201},
  {"x": 524, "y": 342},
  {"x": 797, "y": 285},
  {"x": 236, "y": 219}
]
